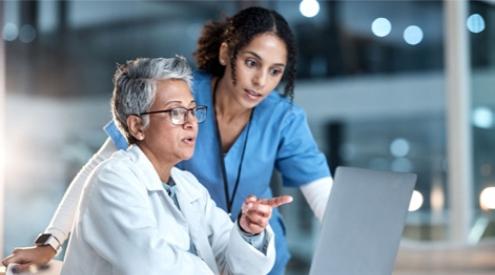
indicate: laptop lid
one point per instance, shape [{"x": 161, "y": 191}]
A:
[{"x": 363, "y": 222}]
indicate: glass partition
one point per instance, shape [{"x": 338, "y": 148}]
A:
[{"x": 482, "y": 39}]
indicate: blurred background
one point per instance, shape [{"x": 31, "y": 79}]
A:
[{"x": 389, "y": 85}]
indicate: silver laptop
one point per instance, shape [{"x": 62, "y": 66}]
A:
[{"x": 363, "y": 222}]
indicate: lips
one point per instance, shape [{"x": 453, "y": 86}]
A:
[
  {"x": 189, "y": 140},
  {"x": 252, "y": 94}
]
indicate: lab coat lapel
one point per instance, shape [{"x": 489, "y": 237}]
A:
[
  {"x": 145, "y": 169},
  {"x": 189, "y": 200},
  {"x": 152, "y": 181}
]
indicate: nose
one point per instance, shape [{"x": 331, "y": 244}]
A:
[
  {"x": 260, "y": 78},
  {"x": 190, "y": 120}
]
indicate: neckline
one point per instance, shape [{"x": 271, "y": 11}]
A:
[{"x": 243, "y": 132}]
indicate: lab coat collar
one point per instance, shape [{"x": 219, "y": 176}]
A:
[
  {"x": 152, "y": 180},
  {"x": 187, "y": 192}
]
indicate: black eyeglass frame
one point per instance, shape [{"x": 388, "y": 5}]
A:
[{"x": 192, "y": 111}]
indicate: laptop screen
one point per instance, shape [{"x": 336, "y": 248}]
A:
[{"x": 363, "y": 222}]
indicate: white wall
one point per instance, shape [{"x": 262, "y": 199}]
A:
[{"x": 375, "y": 97}]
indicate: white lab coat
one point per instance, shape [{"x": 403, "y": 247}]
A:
[{"x": 127, "y": 224}]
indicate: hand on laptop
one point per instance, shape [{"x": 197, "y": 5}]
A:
[{"x": 257, "y": 212}]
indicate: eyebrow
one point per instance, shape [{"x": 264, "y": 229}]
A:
[
  {"x": 177, "y": 101},
  {"x": 259, "y": 57}
]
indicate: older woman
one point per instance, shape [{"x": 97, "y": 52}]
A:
[
  {"x": 141, "y": 215},
  {"x": 251, "y": 130}
]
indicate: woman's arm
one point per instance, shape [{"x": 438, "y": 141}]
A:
[
  {"x": 61, "y": 223},
  {"x": 301, "y": 163},
  {"x": 316, "y": 194},
  {"x": 234, "y": 253}
]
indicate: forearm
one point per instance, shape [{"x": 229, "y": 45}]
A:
[
  {"x": 233, "y": 253},
  {"x": 244, "y": 258},
  {"x": 258, "y": 241},
  {"x": 316, "y": 194},
  {"x": 61, "y": 224}
]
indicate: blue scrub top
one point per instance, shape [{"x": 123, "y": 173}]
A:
[{"x": 279, "y": 138}]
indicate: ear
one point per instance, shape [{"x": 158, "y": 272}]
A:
[
  {"x": 223, "y": 54},
  {"x": 135, "y": 126}
]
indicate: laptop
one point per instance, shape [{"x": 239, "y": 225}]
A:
[{"x": 363, "y": 222}]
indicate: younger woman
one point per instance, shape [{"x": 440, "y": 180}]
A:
[{"x": 250, "y": 131}]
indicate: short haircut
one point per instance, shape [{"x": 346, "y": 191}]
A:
[{"x": 135, "y": 86}]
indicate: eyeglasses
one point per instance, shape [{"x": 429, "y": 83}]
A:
[{"x": 178, "y": 115}]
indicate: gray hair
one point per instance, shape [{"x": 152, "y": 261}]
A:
[{"x": 135, "y": 86}]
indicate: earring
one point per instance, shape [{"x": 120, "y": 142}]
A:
[{"x": 222, "y": 62}]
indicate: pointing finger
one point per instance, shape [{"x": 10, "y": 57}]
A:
[{"x": 277, "y": 201}]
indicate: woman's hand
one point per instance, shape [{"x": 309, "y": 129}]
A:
[
  {"x": 26, "y": 256},
  {"x": 257, "y": 212}
]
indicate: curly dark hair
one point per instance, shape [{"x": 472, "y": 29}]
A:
[{"x": 238, "y": 31}]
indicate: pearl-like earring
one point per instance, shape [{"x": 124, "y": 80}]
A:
[{"x": 222, "y": 62}]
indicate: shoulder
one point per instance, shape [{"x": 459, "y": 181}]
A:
[
  {"x": 118, "y": 170},
  {"x": 199, "y": 75},
  {"x": 120, "y": 160},
  {"x": 201, "y": 87},
  {"x": 280, "y": 103},
  {"x": 281, "y": 108},
  {"x": 201, "y": 79},
  {"x": 113, "y": 180}
]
